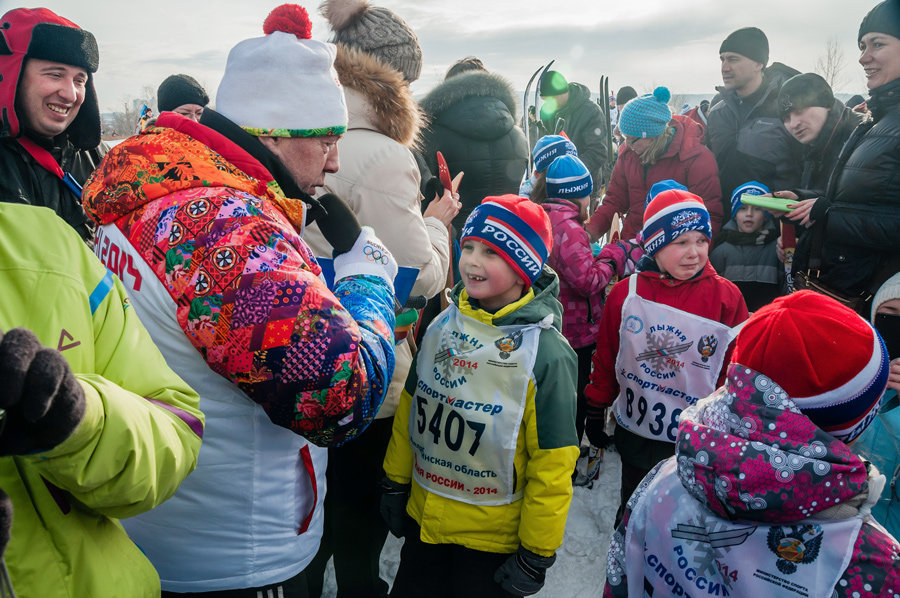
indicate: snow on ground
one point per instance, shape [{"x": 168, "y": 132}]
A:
[{"x": 580, "y": 568}]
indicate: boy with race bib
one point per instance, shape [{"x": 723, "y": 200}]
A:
[
  {"x": 664, "y": 337},
  {"x": 478, "y": 470}
]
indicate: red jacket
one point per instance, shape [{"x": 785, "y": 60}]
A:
[
  {"x": 708, "y": 295},
  {"x": 686, "y": 160}
]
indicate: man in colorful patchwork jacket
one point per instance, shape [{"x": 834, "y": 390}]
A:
[
  {"x": 203, "y": 223},
  {"x": 96, "y": 427}
]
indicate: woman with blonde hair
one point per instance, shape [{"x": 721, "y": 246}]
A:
[{"x": 657, "y": 146}]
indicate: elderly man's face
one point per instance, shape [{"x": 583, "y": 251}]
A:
[
  {"x": 50, "y": 95},
  {"x": 306, "y": 158}
]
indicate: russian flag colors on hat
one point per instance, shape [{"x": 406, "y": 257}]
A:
[
  {"x": 550, "y": 147},
  {"x": 517, "y": 229},
  {"x": 660, "y": 186},
  {"x": 750, "y": 188},
  {"x": 671, "y": 214},
  {"x": 830, "y": 361},
  {"x": 568, "y": 178}
]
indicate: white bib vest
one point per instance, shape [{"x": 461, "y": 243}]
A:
[
  {"x": 468, "y": 406},
  {"x": 667, "y": 360},
  {"x": 682, "y": 549}
]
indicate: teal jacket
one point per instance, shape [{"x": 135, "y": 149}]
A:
[{"x": 139, "y": 437}]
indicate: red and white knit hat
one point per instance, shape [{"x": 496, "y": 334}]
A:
[
  {"x": 671, "y": 214},
  {"x": 831, "y": 362},
  {"x": 517, "y": 229},
  {"x": 283, "y": 84}
]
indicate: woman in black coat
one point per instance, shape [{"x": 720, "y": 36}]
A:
[
  {"x": 472, "y": 117},
  {"x": 854, "y": 245}
]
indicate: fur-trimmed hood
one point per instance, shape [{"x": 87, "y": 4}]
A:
[
  {"x": 472, "y": 83},
  {"x": 377, "y": 96}
]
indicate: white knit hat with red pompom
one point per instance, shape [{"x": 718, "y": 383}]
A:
[{"x": 283, "y": 84}]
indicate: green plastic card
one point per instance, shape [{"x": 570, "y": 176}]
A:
[{"x": 770, "y": 203}]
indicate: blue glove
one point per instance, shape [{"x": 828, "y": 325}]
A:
[{"x": 523, "y": 573}]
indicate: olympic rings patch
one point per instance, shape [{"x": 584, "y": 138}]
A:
[{"x": 374, "y": 254}]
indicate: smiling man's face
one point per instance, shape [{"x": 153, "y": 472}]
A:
[{"x": 50, "y": 95}]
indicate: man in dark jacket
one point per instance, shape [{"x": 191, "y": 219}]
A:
[
  {"x": 472, "y": 118},
  {"x": 821, "y": 123},
  {"x": 49, "y": 115},
  {"x": 744, "y": 129},
  {"x": 568, "y": 108}
]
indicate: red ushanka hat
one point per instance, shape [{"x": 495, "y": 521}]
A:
[{"x": 40, "y": 33}]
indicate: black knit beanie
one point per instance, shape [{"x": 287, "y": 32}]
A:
[
  {"x": 553, "y": 84},
  {"x": 625, "y": 95},
  {"x": 803, "y": 91},
  {"x": 178, "y": 90},
  {"x": 884, "y": 18},
  {"x": 750, "y": 42}
]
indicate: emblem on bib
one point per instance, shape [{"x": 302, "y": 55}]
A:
[
  {"x": 798, "y": 544},
  {"x": 508, "y": 344},
  {"x": 664, "y": 346}
]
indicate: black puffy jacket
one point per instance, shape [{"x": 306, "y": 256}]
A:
[
  {"x": 23, "y": 180},
  {"x": 755, "y": 146},
  {"x": 860, "y": 214},
  {"x": 473, "y": 124}
]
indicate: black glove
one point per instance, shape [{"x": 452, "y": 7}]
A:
[
  {"x": 339, "y": 225},
  {"x": 6, "y": 514},
  {"x": 44, "y": 402},
  {"x": 595, "y": 428},
  {"x": 394, "y": 497},
  {"x": 523, "y": 573}
]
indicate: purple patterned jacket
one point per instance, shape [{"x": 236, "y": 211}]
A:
[{"x": 748, "y": 459}]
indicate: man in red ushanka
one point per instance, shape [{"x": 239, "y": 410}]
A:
[{"x": 49, "y": 116}]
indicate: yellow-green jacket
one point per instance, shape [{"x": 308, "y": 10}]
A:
[
  {"x": 139, "y": 437},
  {"x": 546, "y": 449}
]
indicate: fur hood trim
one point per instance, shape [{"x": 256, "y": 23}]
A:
[
  {"x": 472, "y": 83},
  {"x": 393, "y": 111}
]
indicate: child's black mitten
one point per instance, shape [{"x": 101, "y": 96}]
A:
[
  {"x": 523, "y": 573},
  {"x": 394, "y": 497},
  {"x": 44, "y": 402}
]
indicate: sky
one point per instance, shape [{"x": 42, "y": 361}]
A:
[{"x": 642, "y": 43}]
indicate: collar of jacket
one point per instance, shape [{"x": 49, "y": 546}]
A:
[
  {"x": 836, "y": 116},
  {"x": 539, "y": 301},
  {"x": 884, "y": 99},
  {"x": 381, "y": 100},
  {"x": 269, "y": 166}
]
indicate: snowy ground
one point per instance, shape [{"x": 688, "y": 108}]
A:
[{"x": 580, "y": 568}]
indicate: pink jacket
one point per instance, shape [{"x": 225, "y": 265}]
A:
[
  {"x": 582, "y": 277},
  {"x": 686, "y": 160}
]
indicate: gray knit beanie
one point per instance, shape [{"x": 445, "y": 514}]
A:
[{"x": 376, "y": 31}]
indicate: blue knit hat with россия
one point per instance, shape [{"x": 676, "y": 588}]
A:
[{"x": 646, "y": 115}]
